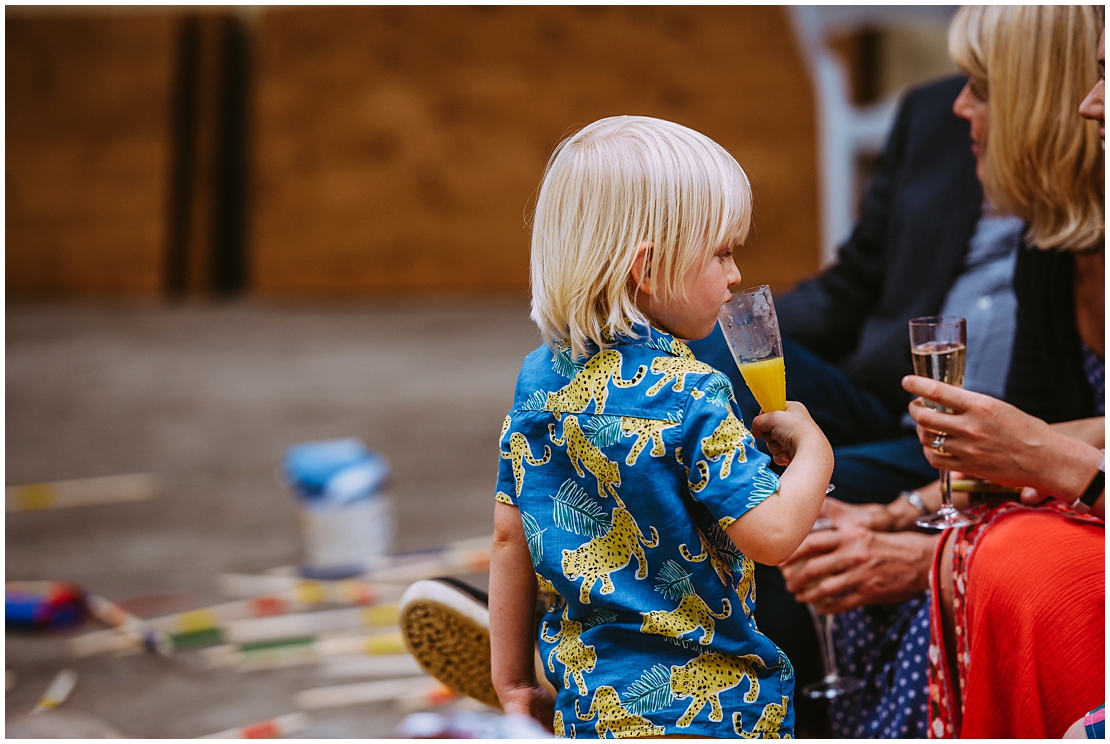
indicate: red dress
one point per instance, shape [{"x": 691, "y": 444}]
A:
[{"x": 1029, "y": 598}]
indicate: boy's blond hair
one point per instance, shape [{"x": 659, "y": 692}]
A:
[
  {"x": 615, "y": 185},
  {"x": 1044, "y": 163}
]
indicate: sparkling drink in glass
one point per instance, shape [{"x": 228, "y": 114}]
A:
[{"x": 938, "y": 345}]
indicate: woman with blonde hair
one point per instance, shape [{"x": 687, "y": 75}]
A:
[
  {"x": 1017, "y": 615},
  {"x": 1029, "y": 578},
  {"x": 1031, "y": 66}
]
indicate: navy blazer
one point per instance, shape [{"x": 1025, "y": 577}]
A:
[{"x": 917, "y": 217}]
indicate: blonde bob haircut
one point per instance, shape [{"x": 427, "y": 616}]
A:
[
  {"x": 1034, "y": 64},
  {"x": 617, "y": 184}
]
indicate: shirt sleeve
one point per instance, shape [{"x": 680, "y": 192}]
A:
[
  {"x": 726, "y": 472},
  {"x": 506, "y": 480}
]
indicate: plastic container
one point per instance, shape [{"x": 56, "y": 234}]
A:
[
  {"x": 44, "y": 605},
  {"x": 345, "y": 515}
]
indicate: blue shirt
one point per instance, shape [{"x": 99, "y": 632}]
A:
[
  {"x": 627, "y": 467},
  {"x": 984, "y": 294}
]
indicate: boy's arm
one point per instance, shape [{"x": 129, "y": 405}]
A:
[
  {"x": 770, "y": 532},
  {"x": 512, "y": 620}
]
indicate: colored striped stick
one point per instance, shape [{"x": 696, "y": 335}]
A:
[
  {"x": 309, "y": 591},
  {"x": 392, "y": 665},
  {"x": 139, "y": 630},
  {"x": 208, "y": 624},
  {"x": 454, "y": 560},
  {"x": 81, "y": 492},
  {"x": 461, "y": 556},
  {"x": 440, "y": 694},
  {"x": 416, "y": 688},
  {"x": 305, "y": 650},
  {"x": 310, "y": 623},
  {"x": 57, "y": 692},
  {"x": 288, "y": 725}
]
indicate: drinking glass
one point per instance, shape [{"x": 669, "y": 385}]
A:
[
  {"x": 938, "y": 344},
  {"x": 751, "y": 330},
  {"x": 833, "y": 684}
]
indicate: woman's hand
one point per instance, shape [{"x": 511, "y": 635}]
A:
[
  {"x": 993, "y": 440},
  {"x": 854, "y": 565}
]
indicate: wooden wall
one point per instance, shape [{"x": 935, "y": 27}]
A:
[
  {"x": 87, "y": 149},
  {"x": 396, "y": 149},
  {"x": 392, "y": 150}
]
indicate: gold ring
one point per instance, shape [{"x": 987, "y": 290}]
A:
[{"x": 938, "y": 444}]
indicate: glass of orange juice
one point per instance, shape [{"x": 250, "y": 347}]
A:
[{"x": 751, "y": 330}]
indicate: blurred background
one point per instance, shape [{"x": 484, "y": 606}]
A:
[{"x": 231, "y": 230}]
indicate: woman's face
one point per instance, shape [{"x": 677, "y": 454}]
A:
[
  {"x": 971, "y": 104},
  {"x": 1094, "y": 105}
]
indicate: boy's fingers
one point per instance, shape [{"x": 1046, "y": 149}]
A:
[{"x": 763, "y": 423}]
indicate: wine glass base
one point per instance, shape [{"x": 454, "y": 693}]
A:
[
  {"x": 946, "y": 519},
  {"x": 833, "y": 685}
]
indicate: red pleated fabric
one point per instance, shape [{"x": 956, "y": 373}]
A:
[{"x": 1031, "y": 623}]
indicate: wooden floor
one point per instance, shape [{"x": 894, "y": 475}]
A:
[{"x": 208, "y": 398}]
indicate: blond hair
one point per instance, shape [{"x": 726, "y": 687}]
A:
[
  {"x": 615, "y": 185},
  {"x": 1034, "y": 64}
]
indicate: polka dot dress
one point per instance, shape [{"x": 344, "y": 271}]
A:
[{"x": 886, "y": 646}]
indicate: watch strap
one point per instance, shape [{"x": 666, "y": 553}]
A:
[
  {"x": 1097, "y": 485},
  {"x": 914, "y": 498}
]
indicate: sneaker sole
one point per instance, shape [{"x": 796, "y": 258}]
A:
[{"x": 445, "y": 624}]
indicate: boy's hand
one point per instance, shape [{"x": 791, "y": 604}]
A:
[
  {"x": 535, "y": 701},
  {"x": 785, "y": 431}
]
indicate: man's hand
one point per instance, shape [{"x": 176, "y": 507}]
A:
[{"x": 851, "y": 566}]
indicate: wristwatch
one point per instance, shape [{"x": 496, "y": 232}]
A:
[
  {"x": 1083, "y": 504},
  {"x": 914, "y": 498}
]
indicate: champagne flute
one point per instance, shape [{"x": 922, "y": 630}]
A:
[
  {"x": 751, "y": 330},
  {"x": 833, "y": 684},
  {"x": 938, "y": 344}
]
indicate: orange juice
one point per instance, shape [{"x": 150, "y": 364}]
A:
[{"x": 767, "y": 381}]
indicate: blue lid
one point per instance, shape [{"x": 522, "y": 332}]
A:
[
  {"x": 309, "y": 466},
  {"x": 358, "y": 481}
]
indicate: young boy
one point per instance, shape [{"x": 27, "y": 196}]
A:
[{"x": 630, "y": 492}]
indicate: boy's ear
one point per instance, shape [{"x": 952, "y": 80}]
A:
[{"x": 641, "y": 269}]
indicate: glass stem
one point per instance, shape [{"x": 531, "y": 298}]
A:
[
  {"x": 825, "y": 639},
  {"x": 946, "y": 491}
]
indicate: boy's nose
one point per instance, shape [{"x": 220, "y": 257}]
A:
[{"x": 734, "y": 276}]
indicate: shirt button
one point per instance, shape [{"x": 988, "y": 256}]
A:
[{"x": 984, "y": 303}]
